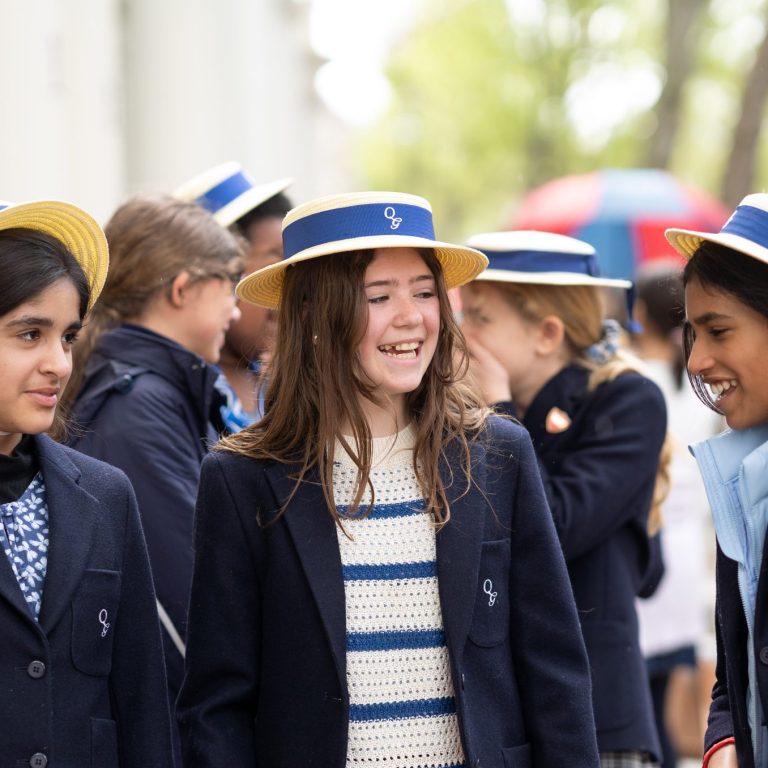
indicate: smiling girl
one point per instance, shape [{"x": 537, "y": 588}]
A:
[
  {"x": 377, "y": 578},
  {"x": 726, "y": 305},
  {"x": 82, "y": 681}
]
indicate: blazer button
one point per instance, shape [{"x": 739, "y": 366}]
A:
[
  {"x": 764, "y": 654},
  {"x": 36, "y": 669},
  {"x": 38, "y": 760},
  {"x": 463, "y": 679}
]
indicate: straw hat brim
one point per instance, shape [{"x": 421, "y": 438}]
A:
[
  {"x": 686, "y": 242},
  {"x": 77, "y": 230},
  {"x": 551, "y": 278},
  {"x": 250, "y": 199},
  {"x": 460, "y": 264}
]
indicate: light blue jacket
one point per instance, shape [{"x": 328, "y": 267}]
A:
[{"x": 734, "y": 466}]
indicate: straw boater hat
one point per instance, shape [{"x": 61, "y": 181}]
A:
[
  {"x": 544, "y": 258},
  {"x": 746, "y": 231},
  {"x": 228, "y": 192},
  {"x": 77, "y": 230},
  {"x": 353, "y": 222}
]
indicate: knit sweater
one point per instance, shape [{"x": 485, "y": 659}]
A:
[{"x": 402, "y": 711}]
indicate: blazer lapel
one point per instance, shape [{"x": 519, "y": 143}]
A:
[
  {"x": 459, "y": 542},
  {"x": 313, "y": 531},
  {"x": 73, "y": 517}
]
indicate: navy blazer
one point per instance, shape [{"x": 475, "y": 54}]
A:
[
  {"x": 599, "y": 475},
  {"x": 74, "y": 692},
  {"x": 728, "y": 710},
  {"x": 266, "y": 657},
  {"x": 144, "y": 407}
]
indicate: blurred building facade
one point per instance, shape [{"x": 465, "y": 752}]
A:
[{"x": 108, "y": 97}]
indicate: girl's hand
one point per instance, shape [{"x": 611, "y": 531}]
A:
[{"x": 488, "y": 373}]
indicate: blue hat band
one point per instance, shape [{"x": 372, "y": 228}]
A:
[
  {"x": 225, "y": 192},
  {"x": 543, "y": 261},
  {"x": 354, "y": 221},
  {"x": 750, "y": 223}
]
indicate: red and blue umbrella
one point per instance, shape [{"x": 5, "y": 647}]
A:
[{"x": 622, "y": 213}]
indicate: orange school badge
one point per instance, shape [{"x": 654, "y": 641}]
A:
[{"x": 557, "y": 421}]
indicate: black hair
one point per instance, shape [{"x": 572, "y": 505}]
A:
[
  {"x": 275, "y": 207},
  {"x": 30, "y": 262},
  {"x": 724, "y": 269},
  {"x": 660, "y": 288}
]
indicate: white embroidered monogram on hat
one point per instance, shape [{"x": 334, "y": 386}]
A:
[
  {"x": 557, "y": 421},
  {"x": 359, "y": 221},
  {"x": 389, "y": 213}
]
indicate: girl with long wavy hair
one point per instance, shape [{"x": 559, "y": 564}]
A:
[
  {"x": 377, "y": 577},
  {"x": 543, "y": 351}
]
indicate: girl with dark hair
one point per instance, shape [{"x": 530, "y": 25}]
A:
[
  {"x": 255, "y": 212},
  {"x": 377, "y": 578},
  {"x": 145, "y": 396},
  {"x": 726, "y": 305},
  {"x": 543, "y": 352},
  {"x": 82, "y": 675}
]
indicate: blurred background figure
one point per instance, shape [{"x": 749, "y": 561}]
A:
[
  {"x": 542, "y": 351},
  {"x": 676, "y": 631},
  {"x": 254, "y": 212},
  {"x": 144, "y": 385}
]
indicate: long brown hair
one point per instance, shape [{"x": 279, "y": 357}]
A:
[
  {"x": 581, "y": 308},
  {"x": 316, "y": 385},
  {"x": 152, "y": 238}
]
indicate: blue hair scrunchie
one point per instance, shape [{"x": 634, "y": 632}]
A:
[{"x": 604, "y": 350}]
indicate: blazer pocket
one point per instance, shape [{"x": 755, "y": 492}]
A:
[
  {"x": 490, "y": 620},
  {"x": 517, "y": 757},
  {"x": 103, "y": 743},
  {"x": 94, "y": 618}
]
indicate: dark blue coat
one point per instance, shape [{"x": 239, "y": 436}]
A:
[
  {"x": 68, "y": 692},
  {"x": 599, "y": 477},
  {"x": 728, "y": 711},
  {"x": 144, "y": 407},
  {"x": 266, "y": 655}
]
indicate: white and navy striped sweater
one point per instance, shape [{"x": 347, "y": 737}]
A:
[{"x": 402, "y": 708}]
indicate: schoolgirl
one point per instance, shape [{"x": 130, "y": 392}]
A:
[
  {"x": 82, "y": 681},
  {"x": 726, "y": 304},
  {"x": 255, "y": 212},
  {"x": 145, "y": 397},
  {"x": 542, "y": 351},
  {"x": 377, "y": 577}
]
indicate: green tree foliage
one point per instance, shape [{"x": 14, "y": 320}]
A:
[{"x": 493, "y": 97}]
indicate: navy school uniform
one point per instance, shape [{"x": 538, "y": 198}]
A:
[
  {"x": 266, "y": 657},
  {"x": 85, "y": 685},
  {"x": 598, "y": 454},
  {"x": 145, "y": 407}
]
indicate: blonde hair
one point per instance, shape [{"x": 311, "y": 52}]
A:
[{"x": 582, "y": 310}]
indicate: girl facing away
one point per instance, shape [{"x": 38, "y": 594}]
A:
[
  {"x": 726, "y": 305},
  {"x": 377, "y": 577},
  {"x": 146, "y": 398},
  {"x": 542, "y": 351},
  {"x": 82, "y": 681}
]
